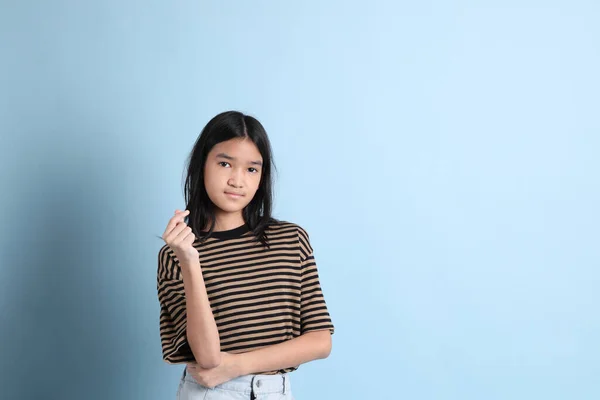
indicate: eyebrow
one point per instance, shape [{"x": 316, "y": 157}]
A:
[{"x": 228, "y": 157}]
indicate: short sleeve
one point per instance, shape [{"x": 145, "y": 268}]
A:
[
  {"x": 314, "y": 315},
  {"x": 171, "y": 297}
]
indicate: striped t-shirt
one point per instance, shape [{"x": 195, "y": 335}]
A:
[{"x": 259, "y": 296}]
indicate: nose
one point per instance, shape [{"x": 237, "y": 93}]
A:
[{"x": 235, "y": 179}]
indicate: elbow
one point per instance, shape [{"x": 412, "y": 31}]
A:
[
  {"x": 205, "y": 358},
  {"x": 209, "y": 362},
  {"x": 321, "y": 343},
  {"x": 326, "y": 348}
]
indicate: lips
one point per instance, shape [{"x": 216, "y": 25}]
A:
[{"x": 233, "y": 194}]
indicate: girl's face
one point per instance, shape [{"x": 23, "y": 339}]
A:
[{"x": 232, "y": 174}]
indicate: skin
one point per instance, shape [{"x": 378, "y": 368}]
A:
[
  {"x": 231, "y": 167},
  {"x": 202, "y": 333},
  {"x": 234, "y": 166}
]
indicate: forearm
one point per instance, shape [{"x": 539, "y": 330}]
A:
[
  {"x": 202, "y": 332},
  {"x": 291, "y": 353}
]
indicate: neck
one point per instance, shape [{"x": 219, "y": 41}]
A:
[{"x": 228, "y": 221}]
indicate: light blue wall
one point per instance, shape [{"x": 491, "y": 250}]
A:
[{"x": 443, "y": 156}]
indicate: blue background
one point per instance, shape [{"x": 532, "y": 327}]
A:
[{"x": 443, "y": 157}]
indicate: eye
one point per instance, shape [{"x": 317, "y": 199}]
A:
[
  {"x": 223, "y": 162},
  {"x": 253, "y": 170}
]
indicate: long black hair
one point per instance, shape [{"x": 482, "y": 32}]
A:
[{"x": 257, "y": 214}]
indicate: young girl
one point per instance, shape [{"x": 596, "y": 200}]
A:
[{"x": 239, "y": 291}]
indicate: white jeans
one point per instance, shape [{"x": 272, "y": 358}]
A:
[{"x": 263, "y": 387}]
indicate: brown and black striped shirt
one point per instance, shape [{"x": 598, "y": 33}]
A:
[{"x": 259, "y": 297}]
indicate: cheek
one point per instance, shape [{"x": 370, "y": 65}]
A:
[
  {"x": 256, "y": 182},
  {"x": 252, "y": 185},
  {"x": 211, "y": 180}
]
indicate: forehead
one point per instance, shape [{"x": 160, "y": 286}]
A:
[{"x": 243, "y": 149}]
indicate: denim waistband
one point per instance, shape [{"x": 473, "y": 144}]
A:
[{"x": 253, "y": 383}]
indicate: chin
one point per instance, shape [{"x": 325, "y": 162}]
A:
[{"x": 229, "y": 208}]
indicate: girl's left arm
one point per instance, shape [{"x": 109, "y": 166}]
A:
[{"x": 309, "y": 346}]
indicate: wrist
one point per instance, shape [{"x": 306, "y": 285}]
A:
[
  {"x": 241, "y": 364},
  {"x": 190, "y": 266}
]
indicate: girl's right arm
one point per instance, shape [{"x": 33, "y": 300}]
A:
[{"x": 201, "y": 330}]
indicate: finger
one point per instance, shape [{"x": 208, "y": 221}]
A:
[
  {"x": 178, "y": 233},
  {"x": 169, "y": 230},
  {"x": 179, "y": 218},
  {"x": 174, "y": 221},
  {"x": 172, "y": 237},
  {"x": 183, "y": 235},
  {"x": 189, "y": 239}
]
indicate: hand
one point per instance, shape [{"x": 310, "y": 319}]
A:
[
  {"x": 178, "y": 235},
  {"x": 226, "y": 371}
]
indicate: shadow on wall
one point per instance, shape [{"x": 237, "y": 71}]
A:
[{"x": 67, "y": 319}]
